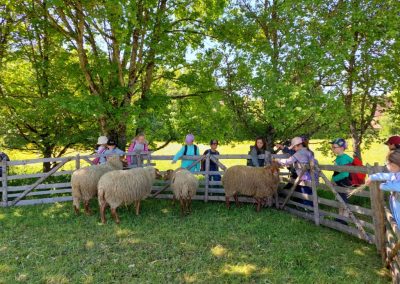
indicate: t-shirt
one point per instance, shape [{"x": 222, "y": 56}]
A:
[{"x": 342, "y": 160}]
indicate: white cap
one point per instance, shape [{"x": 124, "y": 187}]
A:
[
  {"x": 102, "y": 140},
  {"x": 295, "y": 141}
]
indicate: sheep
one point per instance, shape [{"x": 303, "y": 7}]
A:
[
  {"x": 260, "y": 183},
  {"x": 124, "y": 187},
  {"x": 84, "y": 181},
  {"x": 184, "y": 185}
]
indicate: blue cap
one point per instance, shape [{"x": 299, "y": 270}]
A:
[{"x": 340, "y": 142}]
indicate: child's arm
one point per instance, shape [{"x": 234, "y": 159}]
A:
[
  {"x": 380, "y": 176},
  {"x": 287, "y": 162},
  {"x": 178, "y": 155},
  {"x": 391, "y": 186}
]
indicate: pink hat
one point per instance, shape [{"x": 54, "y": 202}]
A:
[
  {"x": 295, "y": 141},
  {"x": 189, "y": 138}
]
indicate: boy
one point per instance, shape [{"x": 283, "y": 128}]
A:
[
  {"x": 341, "y": 178},
  {"x": 213, "y": 165}
]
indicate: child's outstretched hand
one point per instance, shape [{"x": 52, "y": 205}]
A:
[{"x": 368, "y": 181}]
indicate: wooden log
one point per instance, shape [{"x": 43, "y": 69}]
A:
[
  {"x": 42, "y": 201},
  {"x": 196, "y": 161},
  {"x": 346, "y": 190},
  {"x": 41, "y": 186},
  {"x": 207, "y": 177},
  {"x": 392, "y": 223},
  {"x": 354, "y": 208},
  {"x": 365, "y": 224},
  {"x": 4, "y": 183},
  {"x": 39, "y": 181},
  {"x": 26, "y": 176},
  {"x": 161, "y": 190},
  {"x": 378, "y": 210},
  {"x": 216, "y": 160},
  {"x": 314, "y": 192},
  {"x": 47, "y": 192},
  {"x": 344, "y": 205},
  {"x": 350, "y": 169},
  {"x": 296, "y": 183}
]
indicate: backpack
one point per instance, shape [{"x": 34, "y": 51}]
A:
[
  {"x": 186, "y": 148},
  {"x": 356, "y": 179}
]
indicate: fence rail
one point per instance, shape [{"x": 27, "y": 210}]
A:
[{"x": 364, "y": 216}]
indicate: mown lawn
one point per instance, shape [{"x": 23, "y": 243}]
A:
[{"x": 48, "y": 244}]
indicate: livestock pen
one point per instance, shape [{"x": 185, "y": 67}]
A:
[{"x": 368, "y": 218}]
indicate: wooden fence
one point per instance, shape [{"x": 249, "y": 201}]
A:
[{"x": 365, "y": 215}]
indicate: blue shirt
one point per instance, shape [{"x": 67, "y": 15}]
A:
[
  {"x": 190, "y": 152},
  {"x": 114, "y": 151},
  {"x": 392, "y": 184}
]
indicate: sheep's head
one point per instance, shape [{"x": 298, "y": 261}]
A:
[
  {"x": 168, "y": 175},
  {"x": 273, "y": 168},
  {"x": 158, "y": 174},
  {"x": 115, "y": 162}
]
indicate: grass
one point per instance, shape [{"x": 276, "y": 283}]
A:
[{"x": 48, "y": 244}]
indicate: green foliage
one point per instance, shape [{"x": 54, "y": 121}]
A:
[{"x": 212, "y": 245}]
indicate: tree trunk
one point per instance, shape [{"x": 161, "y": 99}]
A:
[
  {"x": 357, "y": 139},
  {"x": 47, "y": 154}
]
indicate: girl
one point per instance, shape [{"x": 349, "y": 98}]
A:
[
  {"x": 189, "y": 149},
  {"x": 392, "y": 182},
  {"x": 259, "y": 148},
  {"x": 101, "y": 148},
  {"x": 137, "y": 146}
]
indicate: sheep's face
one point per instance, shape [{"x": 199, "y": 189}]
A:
[
  {"x": 158, "y": 174},
  {"x": 168, "y": 175}
]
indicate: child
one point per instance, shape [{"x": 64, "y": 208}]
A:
[
  {"x": 189, "y": 149},
  {"x": 341, "y": 178},
  {"x": 213, "y": 165},
  {"x": 113, "y": 149},
  {"x": 302, "y": 156},
  {"x": 393, "y": 142},
  {"x": 137, "y": 146},
  {"x": 259, "y": 148},
  {"x": 101, "y": 148},
  {"x": 392, "y": 182},
  {"x": 3, "y": 157}
]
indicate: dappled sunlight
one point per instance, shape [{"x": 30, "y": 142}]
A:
[
  {"x": 240, "y": 269},
  {"x": 218, "y": 251},
  {"x": 89, "y": 245},
  {"x": 266, "y": 270},
  {"x": 123, "y": 233},
  {"x": 22, "y": 277},
  {"x": 189, "y": 278},
  {"x": 133, "y": 241},
  {"x": 56, "y": 279},
  {"x": 359, "y": 252},
  {"x": 54, "y": 209},
  {"x": 2, "y": 217},
  {"x": 383, "y": 272},
  {"x": 5, "y": 268},
  {"x": 351, "y": 271},
  {"x": 165, "y": 210},
  {"x": 89, "y": 279}
]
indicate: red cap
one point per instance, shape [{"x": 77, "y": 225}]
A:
[{"x": 393, "y": 140}]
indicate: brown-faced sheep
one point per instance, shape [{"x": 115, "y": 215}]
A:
[
  {"x": 124, "y": 187},
  {"x": 260, "y": 183},
  {"x": 84, "y": 181},
  {"x": 184, "y": 186}
]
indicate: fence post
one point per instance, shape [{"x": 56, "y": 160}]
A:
[
  {"x": 378, "y": 214},
  {"x": 314, "y": 193},
  {"x": 4, "y": 183},
  {"x": 267, "y": 158},
  {"x": 78, "y": 162},
  {"x": 207, "y": 177},
  {"x": 139, "y": 160}
]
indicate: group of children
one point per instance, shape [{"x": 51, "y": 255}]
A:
[{"x": 299, "y": 153}]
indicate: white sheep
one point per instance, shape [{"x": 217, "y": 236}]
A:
[
  {"x": 260, "y": 183},
  {"x": 84, "y": 181},
  {"x": 184, "y": 186},
  {"x": 124, "y": 187}
]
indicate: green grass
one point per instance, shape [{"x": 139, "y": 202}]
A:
[{"x": 48, "y": 244}]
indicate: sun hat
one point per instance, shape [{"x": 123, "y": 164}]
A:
[
  {"x": 189, "y": 138},
  {"x": 102, "y": 140},
  {"x": 295, "y": 141}
]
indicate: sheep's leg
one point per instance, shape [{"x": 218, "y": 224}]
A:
[
  {"x": 235, "y": 196},
  {"x": 87, "y": 208},
  {"x": 182, "y": 205},
  {"x": 276, "y": 200},
  {"x": 137, "y": 205},
  {"x": 76, "y": 209},
  {"x": 258, "y": 200},
  {"x": 227, "y": 202},
  {"x": 103, "y": 212},
  {"x": 190, "y": 204},
  {"x": 115, "y": 216}
]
